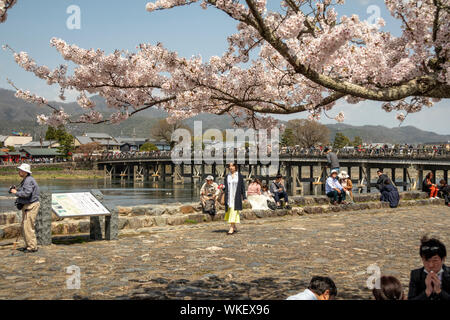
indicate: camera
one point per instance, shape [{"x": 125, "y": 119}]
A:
[{"x": 12, "y": 187}]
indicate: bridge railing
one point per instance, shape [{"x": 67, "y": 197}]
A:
[{"x": 422, "y": 154}]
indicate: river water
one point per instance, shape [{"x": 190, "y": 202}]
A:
[
  {"x": 115, "y": 193},
  {"x": 119, "y": 194}
]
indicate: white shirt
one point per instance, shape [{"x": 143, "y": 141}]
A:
[
  {"x": 305, "y": 295},
  {"x": 232, "y": 187}
]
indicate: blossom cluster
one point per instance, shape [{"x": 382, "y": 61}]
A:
[
  {"x": 5, "y": 5},
  {"x": 300, "y": 60}
]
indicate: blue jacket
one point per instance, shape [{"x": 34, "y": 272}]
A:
[
  {"x": 389, "y": 193},
  {"x": 28, "y": 191}
]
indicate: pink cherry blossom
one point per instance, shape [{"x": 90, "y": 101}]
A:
[{"x": 299, "y": 59}]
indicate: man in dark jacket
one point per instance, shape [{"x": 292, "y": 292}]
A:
[
  {"x": 279, "y": 192},
  {"x": 382, "y": 178},
  {"x": 28, "y": 195},
  {"x": 444, "y": 191},
  {"x": 432, "y": 281}
]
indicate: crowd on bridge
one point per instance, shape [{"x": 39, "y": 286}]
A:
[{"x": 405, "y": 151}]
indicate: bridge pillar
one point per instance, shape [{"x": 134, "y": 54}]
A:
[{"x": 419, "y": 178}]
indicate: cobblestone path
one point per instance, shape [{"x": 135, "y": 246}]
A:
[{"x": 267, "y": 259}]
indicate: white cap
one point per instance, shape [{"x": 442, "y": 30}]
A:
[
  {"x": 333, "y": 171},
  {"x": 25, "y": 167},
  {"x": 209, "y": 178},
  {"x": 343, "y": 175}
]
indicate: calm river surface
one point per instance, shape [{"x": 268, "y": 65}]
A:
[{"x": 116, "y": 194}]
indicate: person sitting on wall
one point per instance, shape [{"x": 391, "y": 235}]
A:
[
  {"x": 269, "y": 197},
  {"x": 429, "y": 187},
  {"x": 334, "y": 189},
  {"x": 255, "y": 197},
  {"x": 389, "y": 193},
  {"x": 208, "y": 196},
  {"x": 346, "y": 183},
  {"x": 279, "y": 191},
  {"x": 444, "y": 191},
  {"x": 382, "y": 177},
  {"x": 432, "y": 281}
]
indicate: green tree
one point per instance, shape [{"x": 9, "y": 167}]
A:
[
  {"x": 288, "y": 138},
  {"x": 65, "y": 139},
  {"x": 11, "y": 148},
  {"x": 357, "y": 141},
  {"x": 340, "y": 141},
  {"x": 149, "y": 147}
]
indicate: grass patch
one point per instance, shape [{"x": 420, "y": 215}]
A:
[{"x": 189, "y": 221}]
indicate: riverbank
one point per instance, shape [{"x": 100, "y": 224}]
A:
[{"x": 51, "y": 173}]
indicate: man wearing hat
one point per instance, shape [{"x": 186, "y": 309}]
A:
[
  {"x": 28, "y": 195},
  {"x": 334, "y": 189},
  {"x": 208, "y": 195}
]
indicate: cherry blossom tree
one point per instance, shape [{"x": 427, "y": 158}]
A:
[
  {"x": 5, "y": 5},
  {"x": 300, "y": 58}
]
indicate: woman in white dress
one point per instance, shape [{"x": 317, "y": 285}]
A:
[
  {"x": 257, "y": 200},
  {"x": 234, "y": 188}
]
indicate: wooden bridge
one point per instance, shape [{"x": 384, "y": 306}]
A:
[{"x": 298, "y": 170}]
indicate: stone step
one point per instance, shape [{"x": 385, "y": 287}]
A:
[
  {"x": 358, "y": 197},
  {"x": 7, "y": 218},
  {"x": 129, "y": 225}
]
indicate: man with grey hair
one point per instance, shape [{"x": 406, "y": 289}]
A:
[
  {"x": 208, "y": 195},
  {"x": 28, "y": 200}
]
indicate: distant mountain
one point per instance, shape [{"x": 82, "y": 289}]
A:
[
  {"x": 17, "y": 115},
  {"x": 373, "y": 134}
]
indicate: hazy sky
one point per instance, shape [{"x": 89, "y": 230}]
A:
[{"x": 114, "y": 24}]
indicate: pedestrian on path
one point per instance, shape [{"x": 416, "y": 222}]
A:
[
  {"x": 28, "y": 200},
  {"x": 234, "y": 188}
]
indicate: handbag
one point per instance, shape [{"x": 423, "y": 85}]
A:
[{"x": 19, "y": 205}]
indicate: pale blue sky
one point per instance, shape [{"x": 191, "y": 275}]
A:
[{"x": 114, "y": 24}]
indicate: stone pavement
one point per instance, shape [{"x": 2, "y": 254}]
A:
[{"x": 267, "y": 259}]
